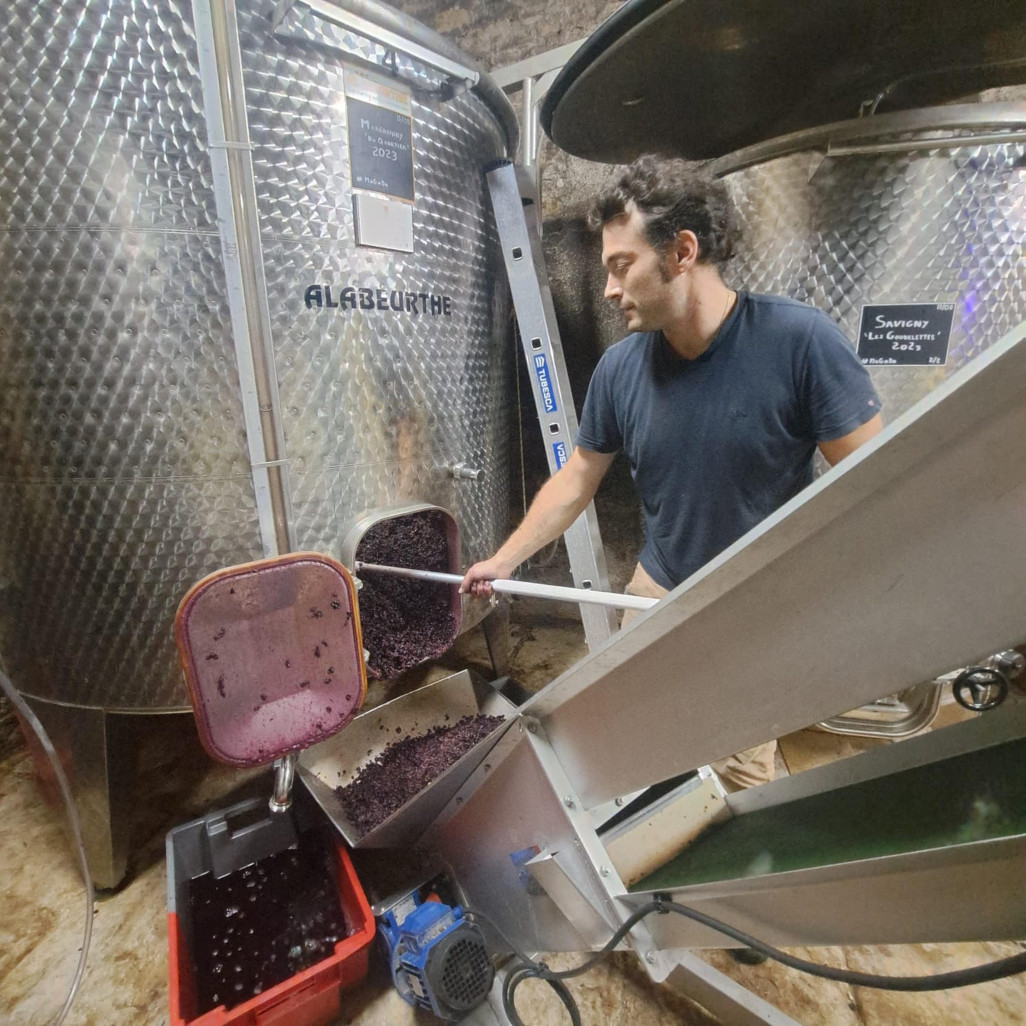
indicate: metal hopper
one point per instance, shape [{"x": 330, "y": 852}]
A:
[{"x": 337, "y": 761}]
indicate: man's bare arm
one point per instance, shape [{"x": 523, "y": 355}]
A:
[
  {"x": 559, "y": 502},
  {"x": 837, "y": 449}
]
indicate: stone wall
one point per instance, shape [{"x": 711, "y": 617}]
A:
[{"x": 499, "y": 32}]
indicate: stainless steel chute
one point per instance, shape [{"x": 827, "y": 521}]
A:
[{"x": 337, "y": 761}]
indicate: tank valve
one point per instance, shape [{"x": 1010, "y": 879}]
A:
[
  {"x": 284, "y": 774},
  {"x": 461, "y": 471},
  {"x": 980, "y": 688}
]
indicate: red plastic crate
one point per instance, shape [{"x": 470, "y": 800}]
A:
[{"x": 309, "y": 998}]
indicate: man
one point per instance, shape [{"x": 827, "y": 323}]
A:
[{"x": 719, "y": 399}]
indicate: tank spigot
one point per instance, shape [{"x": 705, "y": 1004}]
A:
[
  {"x": 461, "y": 471},
  {"x": 284, "y": 775}
]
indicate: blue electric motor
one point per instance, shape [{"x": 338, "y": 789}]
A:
[{"x": 438, "y": 958}]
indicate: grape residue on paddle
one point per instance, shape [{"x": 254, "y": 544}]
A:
[
  {"x": 262, "y": 924},
  {"x": 406, "y": 767},
  {"x": 405, "y": 621}
]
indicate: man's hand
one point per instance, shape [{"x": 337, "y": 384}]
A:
[
  {"x": 561, "y": 500},
  {"x": 477, "y": 580}
]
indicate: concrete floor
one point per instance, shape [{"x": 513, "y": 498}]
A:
[{"x": 42, "y": 905}]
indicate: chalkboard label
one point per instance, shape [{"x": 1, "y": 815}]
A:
[
  {"x": 380, "y": 135},
  {"x": 905, "y": 334}
]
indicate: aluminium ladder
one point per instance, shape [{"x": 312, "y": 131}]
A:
[{"x": 514, "y": 201}]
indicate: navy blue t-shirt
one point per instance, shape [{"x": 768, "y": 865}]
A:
[{"x": 717, "y": 443}]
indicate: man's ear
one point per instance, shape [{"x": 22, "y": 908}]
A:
[{"x": 685, "y": 251}]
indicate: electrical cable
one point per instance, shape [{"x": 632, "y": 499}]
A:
[
  {"x": 985, "y": 973},
  {"x": 29, "y": 717},
  {"x": 526, "y": 968}
]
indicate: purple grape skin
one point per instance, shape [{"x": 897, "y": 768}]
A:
[
  {"x": 406, "y": 767},
  {"x": 405, "y": 621}
]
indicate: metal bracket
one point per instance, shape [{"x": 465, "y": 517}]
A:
[
  {"x": 533, "y": 77},
  {"x": 603, "y": 881}
]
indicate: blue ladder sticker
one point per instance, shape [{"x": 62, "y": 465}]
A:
[
  {"x": 541, "y": 370},
  {"x": 559, "y": 450}
]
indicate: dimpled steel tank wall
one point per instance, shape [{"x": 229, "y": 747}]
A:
[
  {"x": 917, "y": 207},
  {"x": 125, "y": 474}
]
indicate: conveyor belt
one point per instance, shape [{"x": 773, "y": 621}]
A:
[{"x": 977, "y": 796}]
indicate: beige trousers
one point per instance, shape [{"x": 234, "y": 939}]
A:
[{"x": 736, "y": 772}]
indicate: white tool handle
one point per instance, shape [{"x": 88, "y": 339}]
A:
[{"x": 549, "y": 591}]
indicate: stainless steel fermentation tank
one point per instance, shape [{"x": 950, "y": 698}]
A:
[
  {"x": 200, "y": 362},
  {"x": 917, "y": 207}
]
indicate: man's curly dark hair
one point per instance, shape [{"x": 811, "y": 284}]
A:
[{"x": 671, "y": 195}]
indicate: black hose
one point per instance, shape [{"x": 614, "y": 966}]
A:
[
  {"x": 938, "y": 981},
  {"x": 526, "y": 968}
]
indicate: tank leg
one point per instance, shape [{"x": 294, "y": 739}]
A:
[
  {"x": 496, "y": 631},
  {"x": 95, "y": 756}
]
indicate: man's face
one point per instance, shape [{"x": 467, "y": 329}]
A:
[{"x": 639, "y": 280}]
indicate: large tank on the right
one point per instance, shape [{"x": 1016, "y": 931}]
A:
[{"x": 920, "y": 210}]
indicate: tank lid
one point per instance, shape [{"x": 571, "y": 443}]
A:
[{"x": 701, "y": 78}]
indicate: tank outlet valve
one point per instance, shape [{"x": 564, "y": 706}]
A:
[
  {"x": 462, "y": 472},
  {"x": 980, "y": 688},
  {"x": 284, "y": 775}
]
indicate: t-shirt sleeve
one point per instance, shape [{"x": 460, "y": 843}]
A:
[
  {"x": 599, "y": 430},
  {"x": 837, "y": 392}
]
